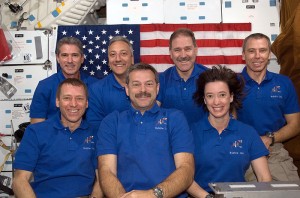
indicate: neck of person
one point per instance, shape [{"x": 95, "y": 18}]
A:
[
  {"x": 219, "y": 123},
  {"x": 121, "y": 79},
  {"x": 72, "y": 126},
  {"x": 185, "y": 75},
  {"x": 257, "y": 76},
  {"x": 76, "y": 75},
  {"x": 142, "y": 110}
]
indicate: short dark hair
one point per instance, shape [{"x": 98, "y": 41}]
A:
[
  {"x": 69, "y": 41},
  {"x": 142, "y": 66},
  {"x": 234, "y": 81},
  {"x": 185, "y": 32},
  {"x": 74, "y": 82},
  {"x": 123, "y": 39},
  {"x": 256, "y": 36}
]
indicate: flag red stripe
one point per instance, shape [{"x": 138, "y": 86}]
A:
[
  {"x": 197, "y": 27},
  {"x": 200, "y": 43},
  {"x": 206, "y": 60}
]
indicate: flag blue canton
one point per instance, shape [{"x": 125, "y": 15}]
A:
[{"x": 95, "y": 40}]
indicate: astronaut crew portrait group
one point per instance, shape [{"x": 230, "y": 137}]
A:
[{"x": 140, "y": 133}]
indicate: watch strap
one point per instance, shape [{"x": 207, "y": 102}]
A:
[
  {"x": 158, "y": 192},
  {"x": 272, "y": 136}
]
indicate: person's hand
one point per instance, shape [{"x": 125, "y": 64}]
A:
[{"x": 267, "y": 141}]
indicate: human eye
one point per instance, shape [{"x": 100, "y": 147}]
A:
[
  {"x": 80, "y": 98},
  {"x": 222, "y": 95},
  {"x": 124, "y": 53},
  {"x": 75, "y": 55},
  {"x": 176, "y": 50},
  {"x": 208, "y": 96},
  {"x": 135, "y": 84},
  {"x": 63, "y": 55},
  {"x": 188, "y": 49},
  {"x": 66, "y": 98},
  {"x": 251, "y": 51},
  {"x": 112, "y": 54},
  {"x": 149, "y": 83},
  {"x": 264, "y": 50}
]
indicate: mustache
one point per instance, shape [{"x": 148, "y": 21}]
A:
[
  {"x": 183, "y": 59},
  {"x": 69, "y": 65},
  {"x": 143, "y": 94}
]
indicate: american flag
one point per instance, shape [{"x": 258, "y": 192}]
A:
[
  {"x": 95, "y": 40},
  {"x": 218, "y": 43}
]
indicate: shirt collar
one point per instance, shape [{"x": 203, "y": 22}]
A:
[
  {"x": 153, "y": 110},
  {"x": 61, "y": 75},
  {"x": 196, "y": 71},
  {"x": 269, "y": 75},
  {"x": 82, "y": 75},
  {"x": 58, "y": 125},
  {"x": 114, "y": 81},
  {"x": 231, "y": 125}
]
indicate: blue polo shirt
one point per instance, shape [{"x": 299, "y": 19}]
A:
[
  {"x": 175, "y": 93},
  {"x": 266, "y": 103},
  {"x": 224, "y": 157},
  {"x": 106, "y": 96},
  {"x": 63, "y": 163},
  {"x": 145, "y": 145},
  {"x": 43, "y": 101}
]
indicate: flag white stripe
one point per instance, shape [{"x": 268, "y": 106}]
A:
[
  {"x": 202, "y": 51},
  {"x": 236, "y": 67},
  {"x": 198, "y": 34}
]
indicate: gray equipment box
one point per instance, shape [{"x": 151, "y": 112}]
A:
[{"x": 256, "y": 189}]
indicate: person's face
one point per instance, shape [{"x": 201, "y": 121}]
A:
[
  {"x": 119, "y": 57},
  {"x": 142, "y": 89},
  {"x": 72, "y": 104},
  {"x": 217, "y": 99},
  {"x": 183, "y": 53},
  {"x": 70, "y": 60},
  {"x": 257, "y": 54}
]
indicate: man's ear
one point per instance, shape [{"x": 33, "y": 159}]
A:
[
  {"x": 57, "y": 102},
  {"x": 126, "y": 89}
]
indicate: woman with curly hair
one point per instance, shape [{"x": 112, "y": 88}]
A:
[{"x": 224, "y": 146}]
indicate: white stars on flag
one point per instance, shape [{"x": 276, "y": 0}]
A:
[{"x": 95, "y": 40}]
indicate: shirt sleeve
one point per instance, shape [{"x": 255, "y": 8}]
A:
[
  {"x": 257, "y": 147},
  {"x": 95, "y": 113},
  {"x": 28, "y": 151},
  {"x": 107, "y": 135},
  {"x": 181, "y": 135},
  {"x": 40, "y": 102}
]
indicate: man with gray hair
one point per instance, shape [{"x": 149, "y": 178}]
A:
[
  {"x": 109, "y": 94},
  {"x": 145, "y": 151},
  {"x": 69, "y": 54},
  {"x": 178, "y": 83}
]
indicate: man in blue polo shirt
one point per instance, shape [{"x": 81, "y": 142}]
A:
[
  {"x": 69, "y": 54},
  {"x": 60, "y": 152},
  {"x": 108, "y": 94},
  {"x": 178, "y": 83},
  {"x": 270, "y": 106},
  {"x": 145, "y": 151}
]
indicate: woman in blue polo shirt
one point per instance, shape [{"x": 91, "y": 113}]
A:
[{"x": 224, "y": 147}]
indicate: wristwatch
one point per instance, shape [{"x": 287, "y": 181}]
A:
[
  {"x": 158, "y": 192},
  {"x": 272, "y": 136},
  {"x": 209, "y": 196}
]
